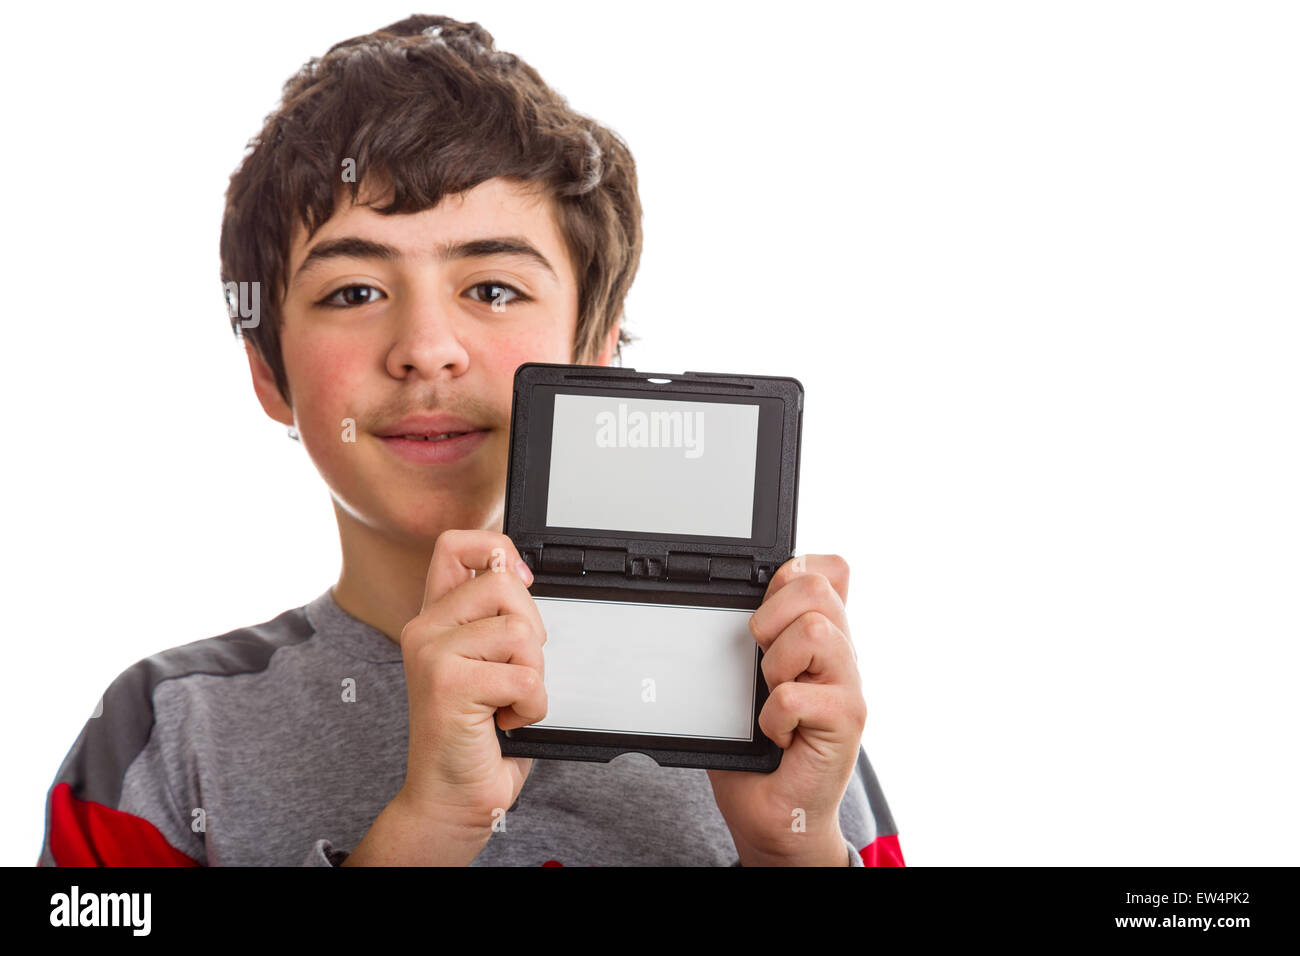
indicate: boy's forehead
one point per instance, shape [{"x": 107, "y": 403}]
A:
[{"x": 492, "y": 209}]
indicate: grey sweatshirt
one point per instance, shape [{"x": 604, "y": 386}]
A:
[{"x": 245, "y": 750}]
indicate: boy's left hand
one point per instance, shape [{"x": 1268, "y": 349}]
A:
[{"x": 815, "y": 711}]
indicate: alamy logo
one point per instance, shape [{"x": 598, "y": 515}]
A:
[
  {"x": 651, "y": 430},
  {"x": 241, "y": 307},
  {"x": 102, "y": 909}
]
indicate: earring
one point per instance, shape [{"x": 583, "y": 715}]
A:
[{"x": 293, "y": 433}]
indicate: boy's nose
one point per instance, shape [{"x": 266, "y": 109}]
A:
[{"x": 426, "y": 341}]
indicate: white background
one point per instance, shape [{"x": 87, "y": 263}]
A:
[{"x": 1035, "y": 264}]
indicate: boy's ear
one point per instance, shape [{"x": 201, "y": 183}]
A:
[
  {"x": 611, "y": 342},
  {"x": 264, "y": 384}
]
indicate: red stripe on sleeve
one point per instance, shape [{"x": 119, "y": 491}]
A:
[
  {"x": 883, "y": 851},
  {"x": 84, "y": 833}
]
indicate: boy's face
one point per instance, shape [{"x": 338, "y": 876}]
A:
[{"x": 430, "y": 335}]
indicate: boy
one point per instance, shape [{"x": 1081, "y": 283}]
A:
[{"x": 494, "y": 226}]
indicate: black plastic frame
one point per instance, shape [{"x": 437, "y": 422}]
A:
[{"x": 780, "y": 401}]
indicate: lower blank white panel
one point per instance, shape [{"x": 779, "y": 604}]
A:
[{"x": 648, "y": 669}]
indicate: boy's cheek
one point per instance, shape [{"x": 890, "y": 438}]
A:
[
  {"x": 510, "y": 352},
  {"x": 325, "y": 371},
  {"x": 327, "y": 382}
]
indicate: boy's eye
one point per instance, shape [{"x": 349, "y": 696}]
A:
[
  {"x": 497, "y": 294},
  {"x": 331, "y": 300}
]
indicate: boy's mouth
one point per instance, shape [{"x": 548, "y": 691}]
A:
[
  {"x": 432, "y": 440},
  {"x": 442, "y": 437}
]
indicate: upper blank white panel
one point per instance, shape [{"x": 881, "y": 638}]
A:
[{"x": 653, "y": 465}]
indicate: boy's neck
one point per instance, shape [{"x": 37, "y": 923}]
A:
[{"x": 381, "y": 581}]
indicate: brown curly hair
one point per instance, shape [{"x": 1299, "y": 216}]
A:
[{"x": 427, "y": 107}]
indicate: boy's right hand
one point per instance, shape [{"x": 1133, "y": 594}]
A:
[{"x": 473, "y": 657}]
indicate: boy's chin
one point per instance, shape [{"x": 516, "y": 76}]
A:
[
  {"x": 426, "y": 527},
  {"x": 417, "y": 521}
]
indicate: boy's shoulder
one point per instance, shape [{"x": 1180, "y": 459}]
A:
[
  {"x": 130, "y": 700},
  {"x": 196, "y": 752},
  {"x": 136, "y": 731},
  {"x": 240, "y": 651}
]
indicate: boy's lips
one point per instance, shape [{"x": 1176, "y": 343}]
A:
[
  {"x": 432, "y": 439},
  {"x": 442, "y": 451}
]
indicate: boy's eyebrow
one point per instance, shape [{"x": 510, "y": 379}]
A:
[{"x": 355, "y": 247}]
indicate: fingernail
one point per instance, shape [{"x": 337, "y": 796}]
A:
[{"x": 525, "y": 574}]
